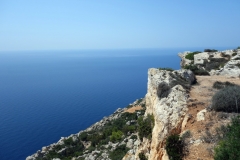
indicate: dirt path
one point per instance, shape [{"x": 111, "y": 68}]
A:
[{"x": 200, "y": 98}]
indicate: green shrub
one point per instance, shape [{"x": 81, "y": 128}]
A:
[
  {"x": 119, "y": 152},
  {"x": 142, "y": 156},
  {"x": 116, "y": 136},
  {"x": 234, "y": 54},
  {"x": 221, "y": 85},
  {"x": 178, "y": 80},
  {"x": 163, "y": 90},
  {"x": 145, "y": 126},
  {"x": 210, "y": 50},
  {"x": 238, "y": 47},
  {"x": 227, "y": 99},
  {"x": 83, "y": 136},
  {"x": 196, "y": 70},
  {"x": 133, "y": 137},
  {"x": 228, "y": 148},
  {"x": 190, "y": 56},
  {"x": 174, "y": 147},
  {"x": 167, "y": 69}
]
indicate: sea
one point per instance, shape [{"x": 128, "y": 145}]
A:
[{"x": 46, "y": 95}]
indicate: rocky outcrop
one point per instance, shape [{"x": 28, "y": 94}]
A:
[
  {"x": 216, "y": 63},
  {"x": 168, "y": 111}
]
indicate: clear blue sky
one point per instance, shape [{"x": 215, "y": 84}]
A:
[{"x": 112, "y": 24}]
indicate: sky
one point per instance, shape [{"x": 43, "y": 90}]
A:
[{"x": 117, "y": 24}]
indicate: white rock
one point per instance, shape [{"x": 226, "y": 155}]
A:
[{"x": 201, "y": 115}]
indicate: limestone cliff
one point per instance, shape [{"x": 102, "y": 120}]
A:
[{"x": 168, "y": 111}]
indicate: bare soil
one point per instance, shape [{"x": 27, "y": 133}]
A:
[{"x": 200, "y": 98}]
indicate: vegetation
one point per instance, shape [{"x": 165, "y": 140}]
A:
[
  {"x": 178, "y": 80},
  {"x": 116, "y": 136},
  {"x": 228, "y": 148},
  {"x": 234, "y": 54},
  {"x": 167, "y": 69},
  {"x": 190, "y": 56},
  {"x": 174, "y": 147},
  {"x": 119, "y": 152},
  {"x": 115, "y": 130},
  {"x": 238, "y": 47},
  {"x": 227, "y": 99},
  {"x": 210, "y": 50},
  {"x": 145, "y": 126},
  {"x": 142, "y": 156},
  {"x": 221, "y": 85},
  {"x": 196, "y": 70},
  {"x": 163, "y": 90}
]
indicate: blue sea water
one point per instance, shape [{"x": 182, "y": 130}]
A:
[{"x": 51, "y": 94}]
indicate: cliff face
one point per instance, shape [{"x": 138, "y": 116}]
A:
[
  {"x": 168, "y": 108},
  {"x": 168, "y": 111}
]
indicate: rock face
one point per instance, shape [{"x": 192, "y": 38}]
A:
[{"x": 168, "y": 111}]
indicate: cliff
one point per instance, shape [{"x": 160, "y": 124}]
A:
[{"x": 176, "y": 103}]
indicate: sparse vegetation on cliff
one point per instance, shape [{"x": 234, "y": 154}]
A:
[
  {"x": 210, "y": 50},
  {"x": 174, "y": 147},
  {"x": 163, "y": 90},
  {"x": 167, "y": 69},
  {"x": 145, "y": 126},
  {"x": 190, "y": 56},
  {"x": 196, "y": 70},
  {"x": 142, "y": 156}
]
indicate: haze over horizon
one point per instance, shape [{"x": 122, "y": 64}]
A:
[{"x": 74, "y": 25}]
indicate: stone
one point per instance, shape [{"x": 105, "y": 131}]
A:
[
  {"x": 130, "y": 143},
  {"x": 201, "y": 115},
  {"x": 201, "y": 58}
]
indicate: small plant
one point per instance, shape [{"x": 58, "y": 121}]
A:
[
  {"x": 210, "y": 50},
  {"x": 238, "y": 47},
  {"x": 142, "y": 156},
  {"x": 221, "y": 85},
  {"x": 83, "y": 136},
  {"x": 178, "y": 80},
  {"x": 118, "y": 153},
  {"x": 163, "y": 90},
  {"x": 145, "y": 126},
  {"x": 133, "y": 137},
  {"x": 190, "y": 56},
  {"x": 228, "y": 148},
  {"x": 116, "y": 136},
  {"x": 234, "y": 54},
  {"x": 227, "y": 99},
  {"x": 167, "y": 69},
  {"x": 174, "y": 147},
  {"x": 196, "y": 70}
]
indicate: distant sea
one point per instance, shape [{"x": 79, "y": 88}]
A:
[{"x": 46, "y": 95}]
